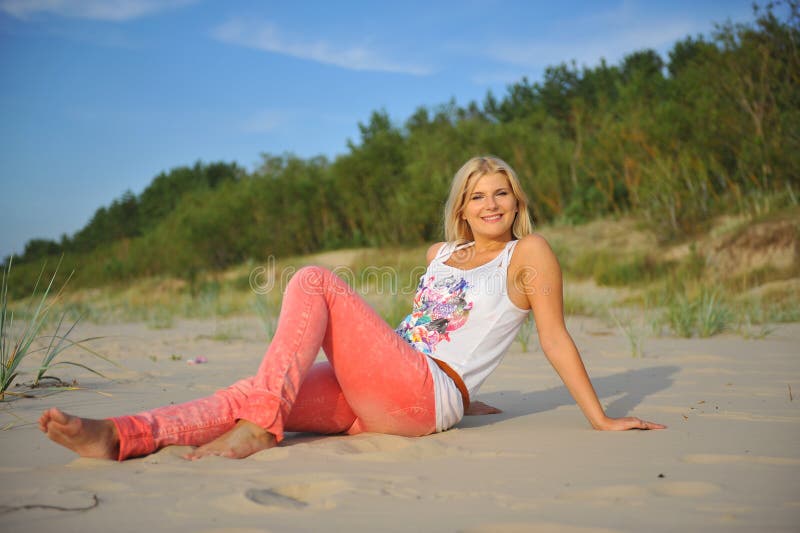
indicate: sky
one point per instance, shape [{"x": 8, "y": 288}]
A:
[{"x": 98, "y": 97}]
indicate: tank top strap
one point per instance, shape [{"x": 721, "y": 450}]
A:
[
  {"x": 448, "y": 248},
  {"x": 444, "y": 251},
  {"x": 507, "y": 252}
]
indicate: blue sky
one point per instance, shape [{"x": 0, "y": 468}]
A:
[{"x": 99, "y": 96}]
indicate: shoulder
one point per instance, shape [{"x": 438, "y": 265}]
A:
[
  {"x": 533, "y": 246},
  {"x": 534, "y": 251},
  {"x": 432, "y": 251}
]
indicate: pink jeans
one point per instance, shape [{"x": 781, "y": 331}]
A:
[{"x": 373, "y": 380}]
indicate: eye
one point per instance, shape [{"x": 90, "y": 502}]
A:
[
  {"x": 476, "y": 196},
  {"x": 502, "y": 193}
]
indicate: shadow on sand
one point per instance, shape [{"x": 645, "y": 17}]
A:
[{"x": 634, "y": 386}]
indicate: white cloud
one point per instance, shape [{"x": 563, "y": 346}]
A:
[
  {"x": 111, "y": 10},
  {"x": 265, "y": 36},
  {"x": 588, "y": 49},
  {"x": 588, "y": 36}
]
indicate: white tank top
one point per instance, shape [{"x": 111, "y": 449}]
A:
[{"x": 464, "y": 318}]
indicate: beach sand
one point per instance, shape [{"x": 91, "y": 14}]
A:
[{"x": 729, "y": 461}]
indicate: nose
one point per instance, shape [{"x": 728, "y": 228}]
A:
[{"x": 491, "y": 202}]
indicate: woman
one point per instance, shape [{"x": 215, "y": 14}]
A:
[{"x": 412, "y": 381}]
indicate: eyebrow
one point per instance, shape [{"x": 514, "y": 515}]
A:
[{"x": 496, "y": 190}]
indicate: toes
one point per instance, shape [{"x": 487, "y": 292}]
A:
[
  {"x": 59, "y": 416},
  {"x": 189, "y": 455},
  {"x": 199, "y": 453}
]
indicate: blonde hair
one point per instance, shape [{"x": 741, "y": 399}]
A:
[{"x": 456, "y": 228}]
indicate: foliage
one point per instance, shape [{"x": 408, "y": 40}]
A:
[{"x": 674, "y": 141}]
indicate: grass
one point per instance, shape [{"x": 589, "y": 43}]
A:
[
  {"x": 613, "y": 269},
  {"x": 525, "y": 332},
  {"x": 224, "y": 332},
  {"x": 267, "y": 308},
  {"x": 19, "y": 345},
  {"x": 393, "y": 308},
  {"x": 697, "y": 310},
  {"x": 679, "y": 303},
  {"x": 713, "y": 315},
  {"x": 576, "y": 304},
  {"x": 632, "y": 331},
  {"x": 749, "y": 329},
  {"x": 161, "y": 318},
  {"x": 680, "y": 316}
]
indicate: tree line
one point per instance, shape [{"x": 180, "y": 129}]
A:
[{"x": 711, "y": 128}]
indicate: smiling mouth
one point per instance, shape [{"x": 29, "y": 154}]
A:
[{"x": 492, "y": 218}]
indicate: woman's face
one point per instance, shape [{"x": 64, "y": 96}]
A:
[{"x": 491, "y": 207}]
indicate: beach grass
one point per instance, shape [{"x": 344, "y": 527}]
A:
[
  {"x": 526, "y": 333},
  {"x": 27, "y": 338},
  {"x": 632, "y": 329}
]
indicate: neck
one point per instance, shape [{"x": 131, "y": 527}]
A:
[{"x": 490, "y": 245}]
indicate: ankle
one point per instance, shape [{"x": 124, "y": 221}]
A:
[
  {"x": 256, "y": 431},
  {"x": 111, "y": 436}
]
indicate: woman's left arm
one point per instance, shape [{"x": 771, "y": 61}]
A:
[{"x": 538, "y": 277}]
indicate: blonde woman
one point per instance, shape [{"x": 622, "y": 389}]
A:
[{"x": 414, "y": 380}]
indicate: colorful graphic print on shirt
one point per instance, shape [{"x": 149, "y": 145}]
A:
[{"x": 440, "y": 306}]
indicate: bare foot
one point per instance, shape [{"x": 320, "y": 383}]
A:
[
  {"x": 85, "y": 436},
  {"x": 243, "y": 440}
]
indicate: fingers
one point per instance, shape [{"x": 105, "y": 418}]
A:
[
  {"x": 627, "y": 423},
  {"x": 644, "y": 424}
]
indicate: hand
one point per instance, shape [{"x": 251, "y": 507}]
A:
[
  {"x": 480, "y": 408},
  {"x": 625, "y": 423}
]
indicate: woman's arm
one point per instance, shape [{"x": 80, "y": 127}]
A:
[{"x": 538, "y": 277}]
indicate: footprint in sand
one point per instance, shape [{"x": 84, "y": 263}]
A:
[
  {"x": 322, "y": 494},
  {"x": 270, "y": 498},
  {"x": 296, "y": 496}
]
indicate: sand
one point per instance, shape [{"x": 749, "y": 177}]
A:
[{"x": 730, "y": 460}]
